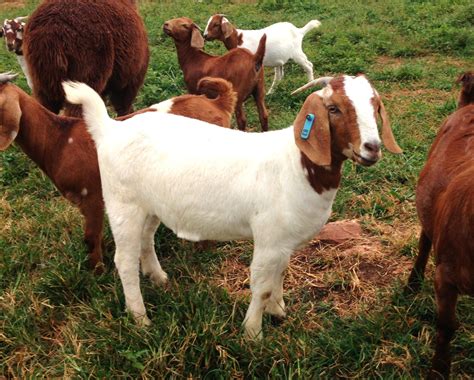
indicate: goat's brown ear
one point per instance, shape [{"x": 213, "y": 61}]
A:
[
  {"x": 9, "y": 122},
  {"x": 317, "y": 147},
  {"x": 226, "y": 27},
  {"x": 387, "y": 134},
  {"x": 196, "y": 39}
]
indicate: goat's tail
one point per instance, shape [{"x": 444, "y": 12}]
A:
[
  {"x": 467, "y": 92},
  {"x": 220, "y": 91},
  {"x": 260, "y": 53},
  {"x": 309, "y": 26},
  {"x": 94, "y": 111}
]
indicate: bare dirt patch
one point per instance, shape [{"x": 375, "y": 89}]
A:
[{"x": 347, "y": 275}]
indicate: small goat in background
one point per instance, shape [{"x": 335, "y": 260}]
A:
[
  {"x": 240, "y": 67},
  {"x": 208, "y": 183},
  {"x": 445, "y": 205},
  {"x": 284, "y": 42},
  {"x": 12, "y": 30}
]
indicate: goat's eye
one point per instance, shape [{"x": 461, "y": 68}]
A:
[{"x": 333, "y": 109}]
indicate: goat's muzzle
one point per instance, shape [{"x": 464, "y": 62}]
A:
[{"x": 166, "y": 29}]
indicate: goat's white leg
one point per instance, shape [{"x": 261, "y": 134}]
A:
[
  {"x": 265, "y": 272},
  {"x": 276, "y": 78},
  {"x": 127, "y": 226},
  {"x": 301, "y": 59},
  {"x": 276, "y": 304},
  {"x": 148, "y": 259}
]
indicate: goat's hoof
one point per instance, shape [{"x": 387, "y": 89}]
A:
[
  {"x": 97, "y": 268},
  {"x": 253, "y": 334},
  {"x": 411, "y": 288},
  {"x": 277, "y": 320},
  {"x": 159, "y": 279},
  {"x": 143, "y": 321}
]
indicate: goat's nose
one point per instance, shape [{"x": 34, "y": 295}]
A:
[{"x": 372, "y": 147}]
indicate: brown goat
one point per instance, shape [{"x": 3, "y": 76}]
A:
[
  {"x": 102, "y": 43},
  {"x": 445, "y": 205},
  {"x": 240, "y": 67},
  {"x": 64, "y": 150}
]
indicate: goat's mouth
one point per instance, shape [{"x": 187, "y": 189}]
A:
[
  {"x": 167, "y": 30},
  {"x": 363, "y": 160}
]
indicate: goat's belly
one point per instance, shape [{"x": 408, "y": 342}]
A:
[{"x": 195, "y": 226}]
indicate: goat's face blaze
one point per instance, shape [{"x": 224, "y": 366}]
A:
[
  {"x": 12, "y": 31},
  {"x": 213, "y": 29},
  {"x": 352, "y": 104}
]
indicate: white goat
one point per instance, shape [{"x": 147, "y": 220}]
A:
[
  {"x": 208, "y": 183},
  {"x": 12, "y": 30},
  {"x": 284, "y": 42}
]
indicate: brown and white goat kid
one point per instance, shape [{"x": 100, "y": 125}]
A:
[
  {"x": 64, "y": 150},
  {"x": 240, "y": 67},
  {"x": 12, "y": 30},
  {"x": 208, "y": 183},
  {"x": 445, "y": 205}
]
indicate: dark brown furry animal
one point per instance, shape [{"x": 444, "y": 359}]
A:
[
  {"x": 239, "y": 66},
  {"x": 102, "y": 43},
  {"x": 64, "y": 150},
  {"x": 445, "y": 205}
]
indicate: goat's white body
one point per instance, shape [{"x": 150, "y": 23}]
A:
[
  {"x": 203, "y": 182},
  {"x": 284, "y": 42},
  {"x": 208, "y": 183}
]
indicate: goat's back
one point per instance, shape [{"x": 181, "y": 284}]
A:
[
  {"x": 451, "y": 156},
  {"x": 101, "y": 43}
]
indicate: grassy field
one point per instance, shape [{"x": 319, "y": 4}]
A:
[{"x": 347, "y": 315}]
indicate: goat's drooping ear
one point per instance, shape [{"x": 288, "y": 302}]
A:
[
  {"x": 317, "y": 145},
  {"x": 226, "y": 27},
  {"x": 197, "y": 41},
  {"x": 9, "y": 122},
  {"x": 387, "y": 134}
]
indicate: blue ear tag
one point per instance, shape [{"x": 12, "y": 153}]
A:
[{"x": 308, "y": 124}]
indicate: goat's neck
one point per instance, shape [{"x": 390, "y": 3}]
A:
[
  {"x": 38, "y": 131},
  {"x": 322, "y": 178},
  {"x": 189, "y": 56},
  {"x": 465, "y": 98},
  {"x": 234, "y": 40}
]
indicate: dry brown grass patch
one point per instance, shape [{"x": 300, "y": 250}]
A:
[{"x": 348, "y": 276}]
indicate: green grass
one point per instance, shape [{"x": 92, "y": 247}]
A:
[{"x": 59, "y": 320}]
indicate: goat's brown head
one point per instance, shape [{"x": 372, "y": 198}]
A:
[
  {"x": 12, "y": 30},
  {"x": 184, "y": 30},
  {"x": 345, "y": 123},
  {"x": 10, "y": 111},
  {"x": 218, "y": 28}
]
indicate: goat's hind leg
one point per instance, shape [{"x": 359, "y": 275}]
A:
[
  {"x": 148, "y": 259},
  {"x": 127, "y": 224},
  {"x": 418, "y": 272},
  {"x": 301, "y": 59},
  {"x": 446, "y": 298},
  {"x": 93, "y": 212}
]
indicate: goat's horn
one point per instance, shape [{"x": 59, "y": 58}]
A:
[
  {"x": 323, "y": 81},
  {"x": 7, "y": 77},
  {"x": 21, "y": 18}
]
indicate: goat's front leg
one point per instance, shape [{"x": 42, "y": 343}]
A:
[
  {"x": 259, "y": 96},
  {"x": 267, "y": 293},
  {"x": 127, "y": 224},
  {"x": 446, "y": 298},
  {"x": 240, "y": 116},
  {"x": 93, "y": 211},
  {"x": 148, "y": 259}
]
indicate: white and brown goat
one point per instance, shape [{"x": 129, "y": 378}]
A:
[{"x": 209, "y": 183}]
